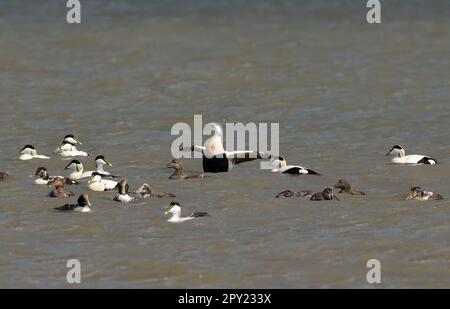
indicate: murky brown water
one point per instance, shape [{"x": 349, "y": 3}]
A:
[{"x": 343, "y": 92}]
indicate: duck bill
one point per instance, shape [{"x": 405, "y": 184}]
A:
[
  {"x": 389, "y": 153},
  {"x": 168, "y": 208},
  {"x": 170, "y": 165},
  {"x": 78, "y": 141},
  {"x": 108, "y": 162}
]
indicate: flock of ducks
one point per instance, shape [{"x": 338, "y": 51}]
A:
[{"x": 215, "y": 160}]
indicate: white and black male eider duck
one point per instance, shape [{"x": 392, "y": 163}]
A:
[
  {"x": 216, "y": 159},
  {"x": 70, "y": 138},
  {"x": 345, "y": 187},
  {"x": 417, "y": 193},
  {"x": 79, "y": 173},
  {"x": 280, "y": 166},
  {"x": 44, "y": 178},
  {"x": 145, "y": 191},
  {"x": 178, "y": 173},
  {"x": 82, "y": 205},
  {"x": 68, "y": 150},
  {"x": 59, "y": 190},
  {"x": 174, "y": 209},
  {"x": 29, "y": 152},
  {"x": 96, "y": 183},
  {"x": 123, "y": 196},
  {"x": 3, "y": 176},
  {"x": 400, "y": 157}
]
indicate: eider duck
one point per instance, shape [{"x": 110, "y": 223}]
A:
[
  {"x": 123, "y": 196},
  {"x": 178, "y": 173},
  {"x": 325, "y": 195},
  {"x": 59, "y": 190},
  {"x": 44, "y": 178},
  {"x": 68, "y": 150},
  {"x": 418, "y": 194},
  {"x": 100, "y": 162},
  {"x": 216, "y": 159},
  {"x": 280, "y": 166},
  {"x": 3, "y": 176},
  {"x": 96, "y": 183},
  {"x": 345, "y": 187},
  {"x": 174, "y": 209},
  {"x": 82, "y": 205},
  {"x": 69, "y": 138},
  {"x": 29, "y": 152},
  {"x": 78, "y": 168},
  {"x": 145, "y": 191},
  {"x": 289, "y": 193},
  {"x": 400, "y": 157},
  {"x": 79, "y": 172}
]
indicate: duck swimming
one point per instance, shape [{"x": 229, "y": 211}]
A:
[
  {"x": 400, "y": 157},
  {"x": 345, "y": 187},
  {"x": 78, "y": 168},
  {"x": 216, "y": 159},
  {"x": 418, "y": 194},
  {"x": 70, "y": 138},
  {"x": 123, "y": 196},
  {"x": 178, "y": 173},
  {"x": 174, "y": 209},
  {"x": 289, "y": 193},
  {"x": 67, "y": 150},
  {"x": 29, "y": 152},
  {"x": 100, "y": 162},
  {"x": 96, "y": 183},
  {"x": 280, "y": 166},
  {"x": 59, "y": 190},
  {"x": 3, "y": 176},
  {"x": 44, "y": 178},
  {"x": 325, "y": 195},
  {"x": 145, "y": 191},
  {"x": 82, "y": 205}
]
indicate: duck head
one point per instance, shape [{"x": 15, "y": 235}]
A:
[{"x": 397, "y": 150}]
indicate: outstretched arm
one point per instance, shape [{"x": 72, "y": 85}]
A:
[
  {"x": 245, "y": 156},
  {"x": 193, "y": 148}
]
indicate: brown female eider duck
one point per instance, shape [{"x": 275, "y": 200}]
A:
[
  {"x": 59, "y": 190},
  {"x": 145, "y": 191},
  {"x": 3, "y": 176},
  {"x": 178, "y": 166},
  {"x": 44, "y": 178},
  {"x": 325, "y": 195},
  {"x": 418, "y": 194},
  {"x": 289, "y": 193},
  {"x": 345, "y": 187}
]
